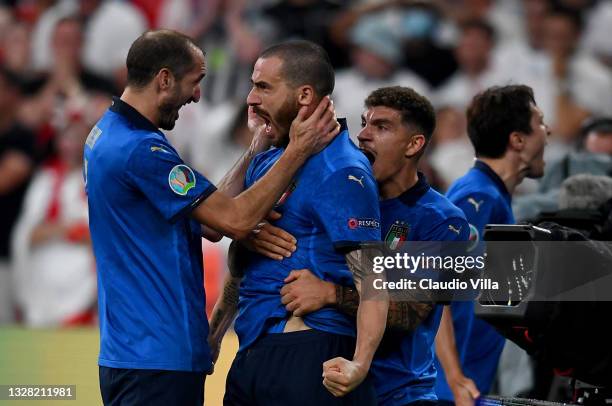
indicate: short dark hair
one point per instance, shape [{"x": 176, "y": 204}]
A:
[
  {"x": 478, "y": 24},
  {"x": 304, "y": 63},
  {"x": 416, "y": 111},
  {"x": 496, "y": 113},
  {"x": 596, "y": 124},
  {"x": 155, "y": 50}
]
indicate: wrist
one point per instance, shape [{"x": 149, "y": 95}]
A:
[
  {"x": 362, "y": 364},
  {"x": 295, "y": 155},
  {"x": 345, "y": 297},
  {"x": 330, "y": 293},
  {"x": 454, "y": 377}
]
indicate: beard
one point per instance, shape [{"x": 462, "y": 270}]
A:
[
  {"x": 168, "y": 111},
  {"x": 284, "y": 117}
]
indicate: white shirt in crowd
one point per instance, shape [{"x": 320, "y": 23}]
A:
[
  {"x": 352, "y": 88},
  {"x": 55, "y": 280}
]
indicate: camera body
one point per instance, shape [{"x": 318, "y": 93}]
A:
[{"x": 558, "y": 296}]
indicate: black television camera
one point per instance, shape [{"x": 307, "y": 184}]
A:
[{"x": 555, "y": 296}]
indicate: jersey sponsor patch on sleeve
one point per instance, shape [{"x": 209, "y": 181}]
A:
[
  {"x": 181, "y": 179},
  {"x": 354, "y": 223}
]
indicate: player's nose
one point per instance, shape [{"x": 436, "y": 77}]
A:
[
  {"x": 364, "y": 135},
  {"x": 197, "y": 93},
  {"x": 252, "y": 98}
]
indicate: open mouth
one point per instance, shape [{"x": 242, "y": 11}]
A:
[
  {"x": 369, "y": 154},
  {"x": 266, "y": 119}
]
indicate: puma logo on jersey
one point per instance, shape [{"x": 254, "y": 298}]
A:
[
  {"x": 354, "y": 178},
  {"x": 453, "y": 229},
  {"x": 156, "y": 148},
  {"x": 476, "y": 204}
]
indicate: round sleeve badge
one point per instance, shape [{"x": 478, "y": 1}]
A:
[{"x": 181, "y": 179}]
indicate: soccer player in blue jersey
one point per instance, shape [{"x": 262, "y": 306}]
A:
[
  {"x": 508, "y": 133},
  {"x": 146, "y": 208},
  {"x": 330, "y": 207},
  {"x": 397, "y": 125}
]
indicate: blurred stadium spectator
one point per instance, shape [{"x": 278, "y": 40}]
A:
[
  {"x": 594, "y": 157},
  {"x": 17, "y": 156},
  {"x": 452, "y": 153},
  {"x": 54, "y": 267},
  {"x": 376, "y": 54},
  {"x": 477, "y": 70},
  {"x": 16, "y": 45}
]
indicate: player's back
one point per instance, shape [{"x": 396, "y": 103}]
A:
[{"x": 332, "y": 203}]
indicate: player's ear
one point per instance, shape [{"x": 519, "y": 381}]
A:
[
  {"x": 165, "y": 79},
  {"x": 305, "y": 95},
  {"x": 516, "y": 141},
  {"x": 415, "y": 145}
]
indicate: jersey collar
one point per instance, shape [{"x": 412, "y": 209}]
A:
[
  {"x": 486, "y": 169},
  {"x": 343, "y": 125},
  {"x": 412, "y": 195},
  {"x": 132, "y": 115}
]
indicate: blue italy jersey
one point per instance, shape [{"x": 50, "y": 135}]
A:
[
  {"x": 484, "y": 199},
  {"x": 403, "y": 368},
  {"x": 331, "y": 205},
  {"x": 148, "y": 250}
]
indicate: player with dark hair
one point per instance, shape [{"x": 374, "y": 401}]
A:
[
  {"x": 396, "y": 128},
  {"x": 508, "y": 133},
  {"x": 146, "y": 208},
  {"x": 331, "y": 207}
]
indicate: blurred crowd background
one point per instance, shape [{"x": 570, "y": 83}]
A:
[{"x": 61, "y": 61}]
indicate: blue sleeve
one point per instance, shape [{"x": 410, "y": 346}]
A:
[
  {"x": 479, "y": 210},
  {"x": 449, "y": 229},
  {"x": 171, "y": 186},
  {"x": 249, "y": 177},
  {"x": 346, "y": 205}
]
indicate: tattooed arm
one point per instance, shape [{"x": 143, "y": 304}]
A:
[
  {"x": 341, "y": 376},
  {"x": 304, "y": 293},
  {"x": 402, "y": 316},
  {"x": 227, "y": 305}
]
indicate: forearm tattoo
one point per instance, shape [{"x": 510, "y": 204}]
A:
[
  {"x": 223, "y": 314},
  {"x": 402, "y": 315}
]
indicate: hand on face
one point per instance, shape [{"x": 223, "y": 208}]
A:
[{"x": 310, "y": 135}]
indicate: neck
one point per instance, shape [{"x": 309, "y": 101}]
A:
[
  {"x": 508, "y": 171},
  {"x": 143, "y": 102},
  {"x": 398, "y": 183}
]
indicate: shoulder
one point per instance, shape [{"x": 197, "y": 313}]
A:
[
  {"x": 271, "y": 155},
  {"x": 440, "y": 207},
  {"x": 472, "y": 184},
  {"x": 340, "y": 156}
]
